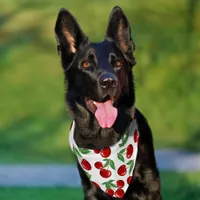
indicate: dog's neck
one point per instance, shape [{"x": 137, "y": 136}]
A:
[{"x": 88, "y": 133}]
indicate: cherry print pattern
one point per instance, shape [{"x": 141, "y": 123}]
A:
[
  {"x": 98, "y": 165},
  {"x": 129, "y": 179},
  {"x": 120, "y": 183},
  {"x": 110, "y": 192},
  {"x": 119, "y": 193},
  {"x": 105, "y": 173},
  {"x": 105, "y": 152},
  {"x": 122, "y": 170},
  {"x": 95, "y": 184},
  {"x": 111, "y": 169},
  {"x": 129, "y": 151},
  {"x": 136, "y": 136},
  {"x": 86, "y": 165},
  {"x": 97, "y": 151}
]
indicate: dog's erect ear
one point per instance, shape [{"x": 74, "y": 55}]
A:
[
  {"x": 68, "y": 34},
  {"x": 120, "y": 32}
]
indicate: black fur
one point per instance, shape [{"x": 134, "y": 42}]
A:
[{"x": 85, "y": 84}]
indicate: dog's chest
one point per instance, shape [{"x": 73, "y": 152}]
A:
[{"x": 111, "y": 168}]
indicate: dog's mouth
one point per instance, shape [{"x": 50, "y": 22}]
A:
[
  {"x": 92, "y": 105},
  {"x": 104, "y": 111}
]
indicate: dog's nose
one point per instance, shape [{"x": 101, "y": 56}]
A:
[{"x": 108, "y": 81}]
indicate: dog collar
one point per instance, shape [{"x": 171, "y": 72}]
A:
[{"x": 111, "y": 168}]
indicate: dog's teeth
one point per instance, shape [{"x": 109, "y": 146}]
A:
[{"x": 94, "y": 102}]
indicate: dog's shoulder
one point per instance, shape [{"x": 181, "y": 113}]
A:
[{"x": 143, "y": 127}]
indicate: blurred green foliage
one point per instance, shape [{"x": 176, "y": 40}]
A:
[{"x": 33, "y": 121}]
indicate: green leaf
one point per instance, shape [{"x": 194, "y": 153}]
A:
[
  {"x": 106, "y": 164},
  {"x": 77, "y": 152},
  {"x": 122, "y": 151},
  {"x": 113, "y": 185},
  {"x": 112, "y": 164},
  {"x": 131, "y": 167},
  {"x": 84, "y": 151},
  {"x": 129, "y": 162},
  {"x": 74, "y": 150},
  {"x": 126, "y": 138},
  {"x": 121, "y": 145},
  {"x": 123, "y": 139},
  {"x": 107, "y": 185},
  {"x": 120, "y": 157},
  {"x": 88, "y": 175},
  {"x": 105, "y": 159}
]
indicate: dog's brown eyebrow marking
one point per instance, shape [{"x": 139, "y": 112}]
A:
[
  {"x": 91, "y": 51},
  {"x": 70, "y": 40},
  {"x": 112, "y": 56},
  {"x": 92, "y": 55}
]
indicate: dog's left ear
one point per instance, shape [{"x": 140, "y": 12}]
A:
[
  {"x": 119, "y": 31},
  {"x": 69, "y": 36}
]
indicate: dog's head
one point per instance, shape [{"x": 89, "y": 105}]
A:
[{"x": 98, "y": 75}]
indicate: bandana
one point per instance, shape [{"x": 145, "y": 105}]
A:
[{"x": 111, "y": 168}]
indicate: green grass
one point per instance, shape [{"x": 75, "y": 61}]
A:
[
  {"x": 174, "y": 186},
  {"x": 33, "y": 120},
  {"x": 40, "y": 193},
  {"x": 180, "y": 186}
]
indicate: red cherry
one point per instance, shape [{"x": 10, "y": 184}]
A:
[
  {"x": 105, "y": 173},
  {"x": 129, "y": 179},
  {"x": 98, "y": 165},
  {"x": 105, "y": 152},
  {"x": 119, "y": 193},
  {"x": 122, "y": 170},
  {"x": 96, "y": 184},
  {"x": 97, "y": 151},
  {"x": 129, "y": 151},
  {"x": 136, "y": 136},
  {"x": 120, "y": 184},
  {"x": 86, "y": 165},
  {"x": 110, "y": 192}
]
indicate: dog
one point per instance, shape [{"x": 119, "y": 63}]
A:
[{"x": 109, "y": 136}]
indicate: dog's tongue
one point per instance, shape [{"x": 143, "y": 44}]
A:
[{"x": 106, "y": 114}]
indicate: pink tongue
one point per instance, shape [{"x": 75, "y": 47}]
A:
[{"x": 106, "y": 114}]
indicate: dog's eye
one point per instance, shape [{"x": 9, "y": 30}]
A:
[
  {"x": 85, "y": 64},
  {"x": 118, "y": 63}
]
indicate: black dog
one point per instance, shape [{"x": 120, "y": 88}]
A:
[{"x": 100, "y": 97}]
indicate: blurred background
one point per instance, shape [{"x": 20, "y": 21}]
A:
[{"x": 34, "y": 124}]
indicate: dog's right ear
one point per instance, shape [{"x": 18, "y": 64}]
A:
[
  {"x": 69, "y": 36},
  {"x": 119, "y": 31}
]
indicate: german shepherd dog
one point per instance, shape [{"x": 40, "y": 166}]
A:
[{"x": 100, "y": 97}]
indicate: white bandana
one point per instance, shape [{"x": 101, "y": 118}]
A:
[{"x": 110, "y": 169}]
